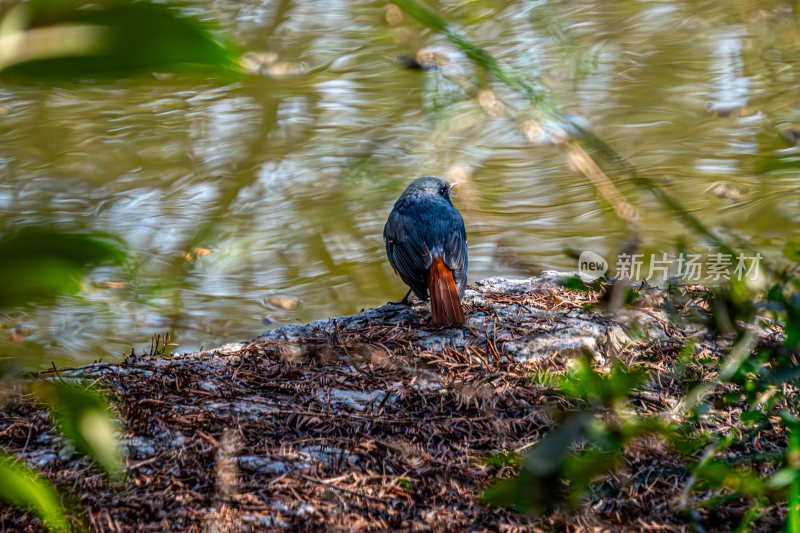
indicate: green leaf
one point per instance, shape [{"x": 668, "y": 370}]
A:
[
  {"x": 721, "y": 475},
  {"x": 501, "y": 459},
  {"x": 775, "y": 299},
  {"x": 586, "y": 383},
  {"x": 546, "y": 456},
  {"x": 751, "y": 418},
  {"x": 793, "y": 516},
  {"x": 582, "y": 469},
  {"x": 62, "y": 39},
  {"x": 40, "y": 264},
  {"x": 84, "y": 418},
  {"x": 424, "y": 14},
  {"x": 631, "y": 296},
  {"x": 749, "y": 518},
  {"x": 538, "y": 487},
  {"x": 515, "y": 492},
  {"x": 581, "y": 381},
  {"x": 22, "y": 487},
  {"x": 792, "y": 326},
  {"x": 575, "y": 283},
  {"x": 782, "y": 478},
  {"x": 624, "y": 380}
]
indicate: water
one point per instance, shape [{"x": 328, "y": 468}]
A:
[{"x": 263, "y": 201}]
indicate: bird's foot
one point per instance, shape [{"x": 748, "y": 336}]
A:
[{"x": 406, "y": 299}]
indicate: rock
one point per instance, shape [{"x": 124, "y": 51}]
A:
[{"x": 338, "y": 421}]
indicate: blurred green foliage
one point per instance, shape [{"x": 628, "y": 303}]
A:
[
  {"x": 793, "y": 477},
  {"x": 20, "y": 485},
  {"x": 592, "y": 439},
  {"x": 41, "y": 263},
  {"x": 585, "y": 383},
  {"x": 63, "y": 39},
  {"x": 83, "y": 418},
  {"x": 51, "y": 40},
  {"x": 785, "y": 300},
  {"x": 588, "y": 442}
]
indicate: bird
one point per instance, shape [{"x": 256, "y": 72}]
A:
[{"x": 426, "y": 242}]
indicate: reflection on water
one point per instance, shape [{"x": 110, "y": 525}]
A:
[{"x": 263, "y": 201}]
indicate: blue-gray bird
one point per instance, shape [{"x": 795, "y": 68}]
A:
[{"x": 427, "y": 246}]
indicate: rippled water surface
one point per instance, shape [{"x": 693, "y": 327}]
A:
[{"x": 262, "y": 201}]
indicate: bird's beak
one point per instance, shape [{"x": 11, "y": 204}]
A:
[{"x": 452, "y": 185}]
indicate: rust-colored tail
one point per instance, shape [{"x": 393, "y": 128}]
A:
[{"x": 445, "y": 305}]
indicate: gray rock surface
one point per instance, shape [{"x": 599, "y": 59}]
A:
[{"x": 378, "y": 418}]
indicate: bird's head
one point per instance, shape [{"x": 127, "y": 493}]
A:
[{"x": 429, "y": 186}]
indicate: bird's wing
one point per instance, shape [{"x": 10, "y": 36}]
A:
[
  {"x": 409, "y": 256},
  {"x": 455, "y": 256}
]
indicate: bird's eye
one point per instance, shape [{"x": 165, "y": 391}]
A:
[{"x": 443, "y": 190}]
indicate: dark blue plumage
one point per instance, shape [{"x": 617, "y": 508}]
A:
[{"x": 425, "y": 235}]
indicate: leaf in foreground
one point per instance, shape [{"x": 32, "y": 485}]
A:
[
  {"x": 63, "y": 39},
  {"x": 22, "y": 487},
  {"x": 793, "y": 515},
  {"x": 40, "y": 263},
  {"x": 83, "y": 417},
  {"x": 538, "y": 486}
]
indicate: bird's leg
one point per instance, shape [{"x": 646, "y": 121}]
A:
[{"x": 406, "y": 299}]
